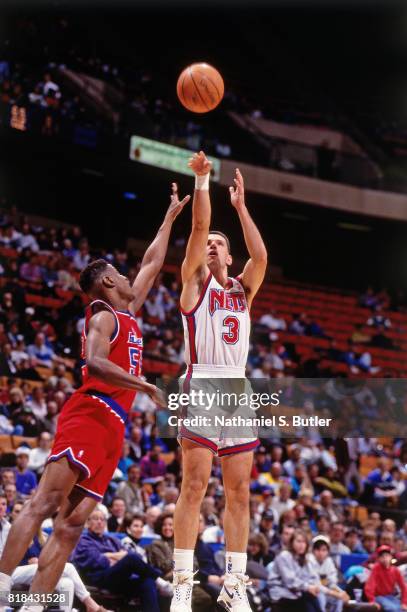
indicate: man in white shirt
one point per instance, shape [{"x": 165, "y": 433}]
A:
[
  {"x": 273, "y": 322},
  {"x": 4, "y": 524},
  {"x": 282, "y": 502},
  {"x": 39, "y": 455}
]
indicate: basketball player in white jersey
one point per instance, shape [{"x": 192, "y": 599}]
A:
[{"x": 215, "y": 310}]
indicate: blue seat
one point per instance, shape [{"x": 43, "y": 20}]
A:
[
  {"x": 146, "y": 541},
  {"x": 216, "y": 546},
  {"x": 352, "y": 559},
  {"x": 116, "y": 534}
]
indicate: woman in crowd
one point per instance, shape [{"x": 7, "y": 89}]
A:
[
  {"x": 160, "y": 552},
  {"x": 293, "y": 581}
]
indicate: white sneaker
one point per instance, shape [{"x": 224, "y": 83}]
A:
[
  {"x": 183, "y": 583},
  {"x": 164, "y": 587},
  {"x": 233, "y": 595}
]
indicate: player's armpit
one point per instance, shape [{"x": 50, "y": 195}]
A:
[{"x": 252, "y": 278}]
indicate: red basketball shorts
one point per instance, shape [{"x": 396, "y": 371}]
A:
[{"x": 90, "y": 435}]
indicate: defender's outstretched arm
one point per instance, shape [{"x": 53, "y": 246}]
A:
[{"x": 154, "y": 256}]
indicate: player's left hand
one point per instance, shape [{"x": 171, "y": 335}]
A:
[
  {"x": 157, "y": 395},
  {"x": 237, "y": 192},
  {"x": 176, "y": 205}
]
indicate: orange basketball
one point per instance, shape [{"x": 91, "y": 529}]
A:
[{"x": 200, "y": 88}]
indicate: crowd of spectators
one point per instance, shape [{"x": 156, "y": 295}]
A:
[
  {"x": 304, "y": 493},
  {"x": 305, "y": 529}
]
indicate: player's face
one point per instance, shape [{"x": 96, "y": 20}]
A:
[
  {"x": 217, "y": 252},
  {"x": 121, "y": 282}
]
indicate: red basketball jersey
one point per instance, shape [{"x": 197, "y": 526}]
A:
[{"x": 126, "y": 349}]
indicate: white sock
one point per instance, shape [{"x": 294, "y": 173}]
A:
[
  {"x": 183, "y": 559},
  {"x": 236, "y": 562},
  {"x": 5, "y": 582}
]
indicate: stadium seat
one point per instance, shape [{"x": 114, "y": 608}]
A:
[{"x": 352, "y": 559}]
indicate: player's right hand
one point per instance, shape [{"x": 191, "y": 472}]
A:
[{"x": 200, "y": 164}]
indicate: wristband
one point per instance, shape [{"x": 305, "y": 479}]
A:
[{"x": 202, "y": 182}]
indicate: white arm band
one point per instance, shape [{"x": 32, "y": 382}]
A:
[{"x": 202, "y": 182}]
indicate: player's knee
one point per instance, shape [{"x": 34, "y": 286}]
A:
[
  {"x": 194, "y": 489},
  {"x": 44, "y": 506},
  {"x": 69, "y": 529},
  {"x": 239, "y": 493}
]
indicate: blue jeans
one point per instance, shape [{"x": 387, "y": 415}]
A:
[
  {"x": 389, "y": 603},
  {"x": 329, "y": 604},
  {"x": 120, "y": 579}
]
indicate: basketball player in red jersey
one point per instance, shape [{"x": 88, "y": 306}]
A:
[
  {"x": 215, "y": 311},
  {"x": 91, "y": 426}
]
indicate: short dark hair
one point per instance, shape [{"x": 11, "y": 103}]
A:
[
  {"x": 91, "y": 273},
  {"x": 223, "y": 236}
]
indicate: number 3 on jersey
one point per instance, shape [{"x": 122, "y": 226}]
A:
[{"x": 232, "y": 335}]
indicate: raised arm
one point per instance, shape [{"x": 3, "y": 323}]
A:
[
  {"x": 101, "y": 328},
  {"x": 255, "y": 269},
  {"x": 154, "y": 256},
  {"x": 195, "y": 257}
]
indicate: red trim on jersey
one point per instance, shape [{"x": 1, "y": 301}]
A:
[
  {"x": 191, "y": 335},
  {"x": 239, "y": 448},
  {"x": 184, "y": 433},
  {"x": 110, "y": 308},
  {"x": 186, "y": 383},
  {"x": 187, "y": 313}
]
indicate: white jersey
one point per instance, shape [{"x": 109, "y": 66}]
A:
[{"x": 217, "y": 329}]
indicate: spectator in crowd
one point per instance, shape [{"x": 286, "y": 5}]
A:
[
  {"x": 117, "y": 514},
  {"x": 273, "y": 322},
  {"x": 82, "y": 257},
  {"x": 160, "y": 551},
  {"x": 151, "y": 465},
  {"x": 51, "y": 419},
  {"x": 131, "y": 491},
  {"x": 293, "y": 581},
  {"x": 338, "y": 548},
  {"x": 25, "y": 420},
  {"x": 330, "y": 597},
  {"x": 133, "y": 526},
  {"x": 125, "y": 460},
  {"x": 352, "y": 541},
  {"x": 369, "y": 542},
  {"x": 37, "y": 402},
  {"x": 5, "y": 526},
  {"x": 27, "y": 239},
  {"x": 39, "y": 455},
  {"x": 137, "y": 447},
  {"x": 215, "y": 533},
  {"x": 379, "y": 320},
  {"x": 382, "y": 582},
  {"x": 17, "y": 507},
  {"x": 8, "y": 476},
  {"x": 31, "y": 271},
  {"x": 152, "y": 515},
  {"x": 43, "y": 354},
  {"x": 258, "y": 549},
  {"x": 107, "y": 564},
  {"x": 26, "y": 480},
  {"x": 10, "y": 491},
  {"x": 378, "y": 481}
]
